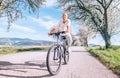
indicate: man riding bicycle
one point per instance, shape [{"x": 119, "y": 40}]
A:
[{"x": 63, "y": 25}]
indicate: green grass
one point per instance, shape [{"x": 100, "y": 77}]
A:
[
  {"x": 9, "y": 50},
  {"x": 110, "y": 57}
]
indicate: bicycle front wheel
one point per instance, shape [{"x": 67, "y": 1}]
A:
[{"x": 53, "y": 60}]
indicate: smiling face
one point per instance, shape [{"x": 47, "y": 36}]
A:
[{"x": 65, "y": 17}]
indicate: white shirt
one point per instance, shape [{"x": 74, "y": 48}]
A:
[{"x": 62, "y": 26}]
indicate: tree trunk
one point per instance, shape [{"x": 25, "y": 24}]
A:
[
  {"x": 107, "y": 40},
  {"x": 106, "y": 34},
  {"x": 85, "y": 42}
]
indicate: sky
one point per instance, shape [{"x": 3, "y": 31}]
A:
[
  {"x": 37, "y": 28},
  {"x": 31, "y": 26}
]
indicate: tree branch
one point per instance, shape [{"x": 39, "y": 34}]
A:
[
  {"x": 109, "y": 4},
  {"x": 101, "y": 3}
]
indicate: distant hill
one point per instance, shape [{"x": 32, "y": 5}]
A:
[{"x": 23, "y": 42}]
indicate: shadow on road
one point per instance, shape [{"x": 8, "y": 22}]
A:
[
  {"x": 23, "y": 68},
  {"x": 43, "y": 76}
]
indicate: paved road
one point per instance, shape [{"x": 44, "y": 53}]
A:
[{"x": 33, "y": 65}]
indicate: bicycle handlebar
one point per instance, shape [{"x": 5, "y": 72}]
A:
[{"x": 57, "y": 33}]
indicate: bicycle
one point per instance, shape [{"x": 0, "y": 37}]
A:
[{"x": 56, "y": 53}]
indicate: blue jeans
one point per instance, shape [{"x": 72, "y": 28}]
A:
[{"x": 68, "y": 38}]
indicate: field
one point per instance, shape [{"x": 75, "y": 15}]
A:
[{"x": 8, "y": 50}]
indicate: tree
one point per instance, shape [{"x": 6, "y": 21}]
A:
[
  {"x": 114, "y": 24},
  {"x": 85, "y": 34},
  {"x": 75, "y": 41},
  {"x": 14, "y": 9},
  {"x": 95, "y": 12}
]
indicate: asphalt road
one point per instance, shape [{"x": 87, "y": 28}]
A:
[{"x": 33, "y": 65}]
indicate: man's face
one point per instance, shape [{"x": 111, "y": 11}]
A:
[{"x": 64, "y": 17}]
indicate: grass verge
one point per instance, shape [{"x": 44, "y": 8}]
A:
[
  {"x": 8, "y": 50},
  {"x": 110, "y": 57}
]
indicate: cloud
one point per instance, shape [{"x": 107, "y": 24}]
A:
[
  {"x": 2, "y": 30},
  {"x": 48, "y": 18},
  {"x": 21, "y": 28},
  {"x": 45, "y": 21},
  {"x": 51, "y": 3},
  {"x": 3, "y": 21}
]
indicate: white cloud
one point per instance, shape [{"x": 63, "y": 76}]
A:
[
  {"x": 3, "y": 21},
  {"x": 48, "y": 18},
  {"x": 47, "y": 24},
  {"x": 50, "y": 3},
  {"x": 15, "y": 26},
  {"x": 21, "y": 28},
  {"x": 2, "y": 30}
]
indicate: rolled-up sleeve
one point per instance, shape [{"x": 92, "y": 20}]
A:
[{"x": 69, "y": 22}]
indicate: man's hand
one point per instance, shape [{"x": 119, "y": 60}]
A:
[
  {"x": 65, "y": 32},
  {"x": 49, "y": 33},
  {"x": 52, "y": 31}
]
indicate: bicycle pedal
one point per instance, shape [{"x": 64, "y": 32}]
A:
[
  {"x": 55, "y": 59},
  {"x": 67, "y": 53}
]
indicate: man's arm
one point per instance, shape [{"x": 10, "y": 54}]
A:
[{"x": 68, "y": 29}]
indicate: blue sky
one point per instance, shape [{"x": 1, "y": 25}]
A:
[
  {"x": 34, "y": 27},
  {"x": 37, "y": 28},
  {"x": 31, "y": 26}
]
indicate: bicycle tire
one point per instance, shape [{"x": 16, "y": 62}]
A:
[
  {"x": 66, "y": 56},
  {"x": 48, "y": 61}
]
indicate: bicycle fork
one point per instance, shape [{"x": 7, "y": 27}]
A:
[{"x": 57, "y": 54}]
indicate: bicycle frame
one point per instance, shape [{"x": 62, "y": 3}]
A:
[
  {"x": 59, "y": 42},
  {"x": 58, "y": 50}
]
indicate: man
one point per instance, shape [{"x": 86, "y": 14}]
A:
[{"x": 63, "y": 25}]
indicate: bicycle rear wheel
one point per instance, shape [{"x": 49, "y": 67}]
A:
[
  {"x": 66, "y": 52},
  {"x": 53, "y": 60},
  {"x": 66, "y": 56}
]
